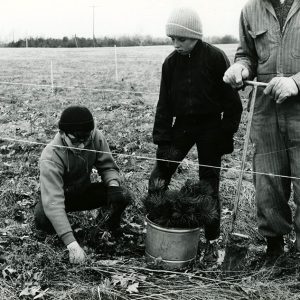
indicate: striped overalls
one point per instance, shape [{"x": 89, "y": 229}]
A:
[{"x": 271, "y": 48}]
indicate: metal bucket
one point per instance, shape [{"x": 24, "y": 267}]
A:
[{"x": 171, "y": 248}]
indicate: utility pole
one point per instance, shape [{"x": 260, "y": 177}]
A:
[
  {"x": 76, "y": 41},
  {"x": 26, "y": 40},
  {"x": 94, "y": 26},
  {"x": 94, "y": 41}
]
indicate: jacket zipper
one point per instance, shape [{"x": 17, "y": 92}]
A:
[{"x": 85, "y": 163}]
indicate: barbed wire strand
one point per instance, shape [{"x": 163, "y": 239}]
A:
[
  {"x": 149, "y": 158},
  {"x": 77, "y": 87}
]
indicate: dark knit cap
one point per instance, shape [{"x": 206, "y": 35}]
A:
[{"x": 76, "y": 118}]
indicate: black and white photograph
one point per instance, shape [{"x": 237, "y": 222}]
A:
[{"x": 149, "y": 149}]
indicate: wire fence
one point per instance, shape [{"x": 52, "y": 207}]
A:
[
  {"x": 187, "y": 162},
  {"x": 52, "y": 88}
]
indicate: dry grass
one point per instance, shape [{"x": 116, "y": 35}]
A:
[{"x": 37, "y": 265}]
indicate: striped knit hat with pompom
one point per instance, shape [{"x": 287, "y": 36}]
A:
[{"x": 184, "y": 22}]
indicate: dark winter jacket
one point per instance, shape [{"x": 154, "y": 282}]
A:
[{"x": 192, "y": 88}]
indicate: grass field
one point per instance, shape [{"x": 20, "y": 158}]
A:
[{"x": 123, "y": 101}]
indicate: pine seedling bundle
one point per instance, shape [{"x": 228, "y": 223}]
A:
[{"x": 194, "y": 205}]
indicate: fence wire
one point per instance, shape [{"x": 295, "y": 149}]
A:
[
  {"x": 52, "y": 88},
  {"x": 191, "y": 163}
]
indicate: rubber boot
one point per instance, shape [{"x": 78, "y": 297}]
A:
[
  {"x": 275, "y": 249},
  {"x": 275, "y": 246}
]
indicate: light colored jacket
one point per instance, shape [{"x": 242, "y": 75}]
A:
[
  {"x": 268, "y": 52},
  {"x": 64, "y": 170},
  {"x": 264, "y": 49}
]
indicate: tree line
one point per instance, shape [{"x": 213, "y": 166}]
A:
[{"x": 123, "y": 41}]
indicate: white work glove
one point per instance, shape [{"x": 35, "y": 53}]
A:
[
  {"x": 76, "y": 253},
  {"x": 235, "y": 75},
  {"x": 281, "y": 88}
]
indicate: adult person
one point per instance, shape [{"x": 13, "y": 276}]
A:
[
  {"x": 269, "y": 50},
  {"x": 65, "y": 167},
  {"x": 195, "y": 106}
]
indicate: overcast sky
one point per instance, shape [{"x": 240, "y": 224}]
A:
[{"x": 58, "y": 18}]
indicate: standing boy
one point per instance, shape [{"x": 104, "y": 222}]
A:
[{"x": 195, "y": 106}]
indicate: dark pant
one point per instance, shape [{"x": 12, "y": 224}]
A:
[
  {"x": 89, "y": 197},
  {"x": 206, "y": 138}
]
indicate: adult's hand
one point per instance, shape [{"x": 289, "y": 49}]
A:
[
  {"x": 281, "y": 88},
  {"x": 76, "y": 253},
  {"x": 235, "y": 75}
]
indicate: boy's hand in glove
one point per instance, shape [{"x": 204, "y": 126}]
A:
[
  {"x": 117, "y": 201},
  {"x": 76, "y": 253}
]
